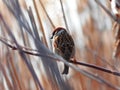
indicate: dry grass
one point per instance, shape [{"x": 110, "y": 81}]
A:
[{"x": 26, "y": 58}]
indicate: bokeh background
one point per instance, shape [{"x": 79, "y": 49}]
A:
[{"x": 91, "y": 29}]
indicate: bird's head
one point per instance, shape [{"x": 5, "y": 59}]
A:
[{"x": 58, "y": 31}]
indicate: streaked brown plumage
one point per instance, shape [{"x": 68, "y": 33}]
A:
[{"x": 63, "y": 45}]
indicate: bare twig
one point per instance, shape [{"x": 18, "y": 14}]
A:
[
  {"x": 47, "y": 14},
  {"x": 45, "y": 50},
  {"x": 2, "y": 69},
  {"x": 108, "y": 12},
  {"x": 64, "y": 17},
  {"x": 97, "y": 67},
  {"x": 24, "y": 49},
  {"x": 40, "y": 22},
  {"x": 36, "y": 53},
  {"x": 21, "y": 53}
]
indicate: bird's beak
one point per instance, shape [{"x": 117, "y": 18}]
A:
[{"x": 51, "y": 37}]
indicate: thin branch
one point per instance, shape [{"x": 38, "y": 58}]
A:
[
  {"x": 36, "y": 53},
  {"x": 21, "y": 53},
  {"x": 40, "y": 22},
  {"x": 97, "y": 67},
  {"x": 2, "y": 69},
  {"x": 47, "y": 14},
  {"x": 108, "y": 12},
  {"x": 103, "y": 81},
  {"x": 101, "y": 58},
  {"x": 64, "y": 17},
  {"x": 24, "y": 49},
  {"x": 14, "y": 71},
  {"x": 41, "y": 47}
]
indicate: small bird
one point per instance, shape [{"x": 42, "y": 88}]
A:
[{"x": 63, "y": 45}]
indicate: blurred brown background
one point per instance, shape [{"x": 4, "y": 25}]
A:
[{"x": 91, "y": 29}]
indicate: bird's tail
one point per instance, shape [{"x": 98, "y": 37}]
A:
[{"x": 66, "y": 69}]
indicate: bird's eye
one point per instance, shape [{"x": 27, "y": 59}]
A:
[
  {"x": 117, "y": 6},
  {"x": 51, "y": 37}
]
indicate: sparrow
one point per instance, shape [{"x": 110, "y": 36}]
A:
[{"x": 63, "y": 45}]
